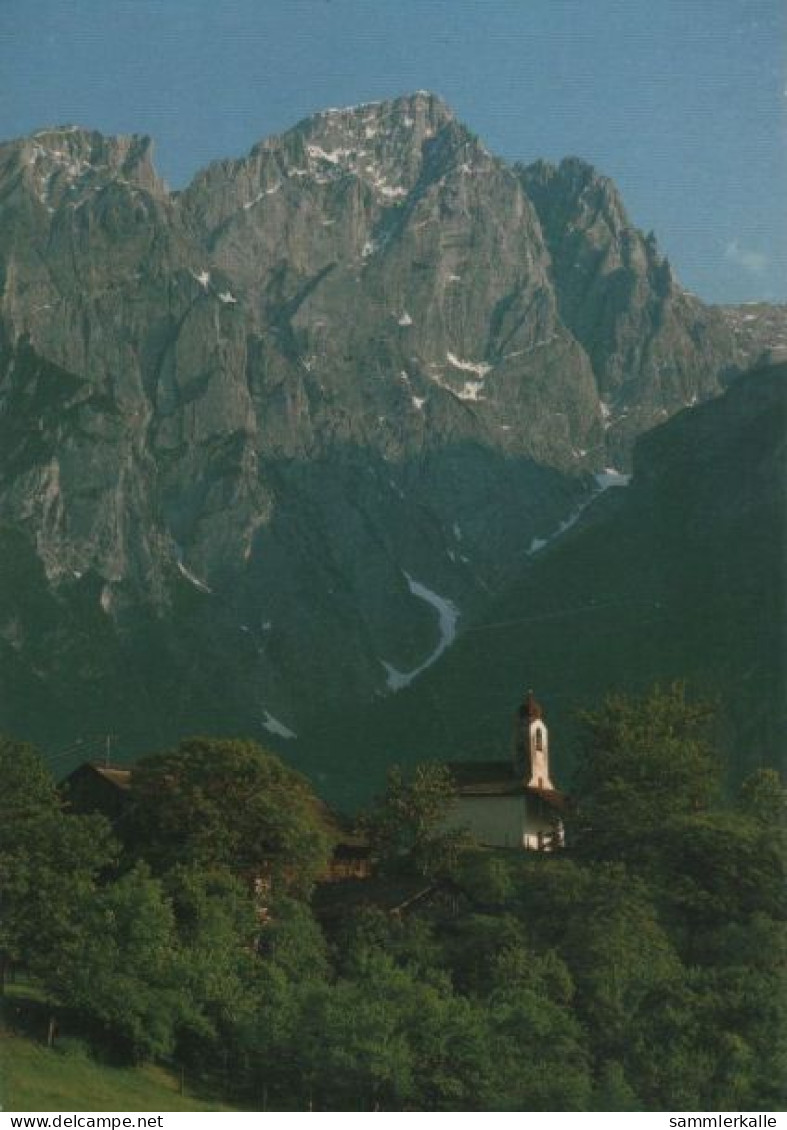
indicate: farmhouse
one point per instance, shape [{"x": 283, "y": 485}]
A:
[{"x": 97, "y": 786}]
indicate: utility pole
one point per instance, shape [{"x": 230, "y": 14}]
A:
[{"x": 108, "y": 749}]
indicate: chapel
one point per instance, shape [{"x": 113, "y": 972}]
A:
[{"x": 512, "y": 803}]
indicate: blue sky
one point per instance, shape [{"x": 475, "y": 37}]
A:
[{"x": 682, "y": 102}]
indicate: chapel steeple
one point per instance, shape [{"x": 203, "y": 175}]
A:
[{"x": 531, "y": 745}]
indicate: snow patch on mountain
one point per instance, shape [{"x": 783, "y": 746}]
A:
[
  {"x": 192, "y": 579},
  {"x": 316, "y": 152},
  {"x": 471, "y": 390},
  {"x": 480, "y": 368},
  {"x": 274, "y": 726},
  {"x": 393, "y": 192},
  {"x": 609, "y": 477},
  {"x": 347, "y": 109},
  {"x": 605, "y": 480},
  {"x": 72, "y": 167},
  {"x": 447, "y": 615}
]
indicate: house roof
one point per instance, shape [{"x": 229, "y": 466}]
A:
[
  {"x": 116, "y": 775},
  {"x": 121, "y": 778},
  {"x": 497, "y": 778},
  {"x": 338, "y": 826}
]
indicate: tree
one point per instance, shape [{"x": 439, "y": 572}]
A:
[
  {"x": 292, "y": 940},
  {"x": 628, "y": 978},
  {"x": 409, "y": 940},
  {"x": 121, "y": 974},
  {"x": 222, "y": 803},
  {"x": 543, "y": 973},
  {"x": 742, "y": 992},
  {"x": 353, "y": 1041},
  {"x": 387, "y": 1040},
  {"x": 619, "y": 955},
  {"x": 539, "y": 1052},
  {"x": 48, "y": 860},
  {"x": 763, "y": 797},
  {"x": 475, "y": 943},
  {"x": 28, "y": 792},
  {"x": 717, "y": 868},
  {"x": 612, "y": 1090},
  {"x": 487, "y": 876},
  {"x": 453, "y": 1038},
  {"x": 408, "y": 826},
  {"x": 216, "y": 930},
  {"x": 644, "y": 763}
]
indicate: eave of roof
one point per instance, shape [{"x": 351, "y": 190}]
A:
[
  {"x": 497, "y": 779},
  {"x": 120, "y": 778}
]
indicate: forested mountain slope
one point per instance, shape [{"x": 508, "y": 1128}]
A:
[{"x": 679, "y": 576}]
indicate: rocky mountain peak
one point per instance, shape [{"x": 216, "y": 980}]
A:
[
  {"x": 652, "y": 346},
  {"x": 421, "y": 114},
  {"x": 573, "y": 194},
  {"x": 367, "y": 351},
  {"x": 63, "y": 164},
  {"x": 381, "y": 144}
]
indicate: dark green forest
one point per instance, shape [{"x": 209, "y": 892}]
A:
[{"x": 640, "y": 968}]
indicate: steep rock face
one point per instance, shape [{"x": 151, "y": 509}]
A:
[
  {"x": 654, "y": 348},
  {"x": 99, "y": 282},
  {"x": 384, "y": 257},
  {"x": 239, "y": 423}
]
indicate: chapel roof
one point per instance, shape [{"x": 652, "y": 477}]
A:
[{"x": 497, "y": 778}]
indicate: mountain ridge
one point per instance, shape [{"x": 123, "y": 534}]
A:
[{"x": 355, "y": 356}]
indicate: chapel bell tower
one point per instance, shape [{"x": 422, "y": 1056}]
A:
[{"x": 531, "y": 745}]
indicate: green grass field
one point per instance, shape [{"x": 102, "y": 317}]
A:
[{"x": 33, "y": 1077}]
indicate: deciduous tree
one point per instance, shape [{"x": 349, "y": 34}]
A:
[
  {"x": 645, "y": 762},
  {"x": 407, "y": 826},
  {"x": 48, "y": 860},
  {"x": 214, "y": 802}
]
